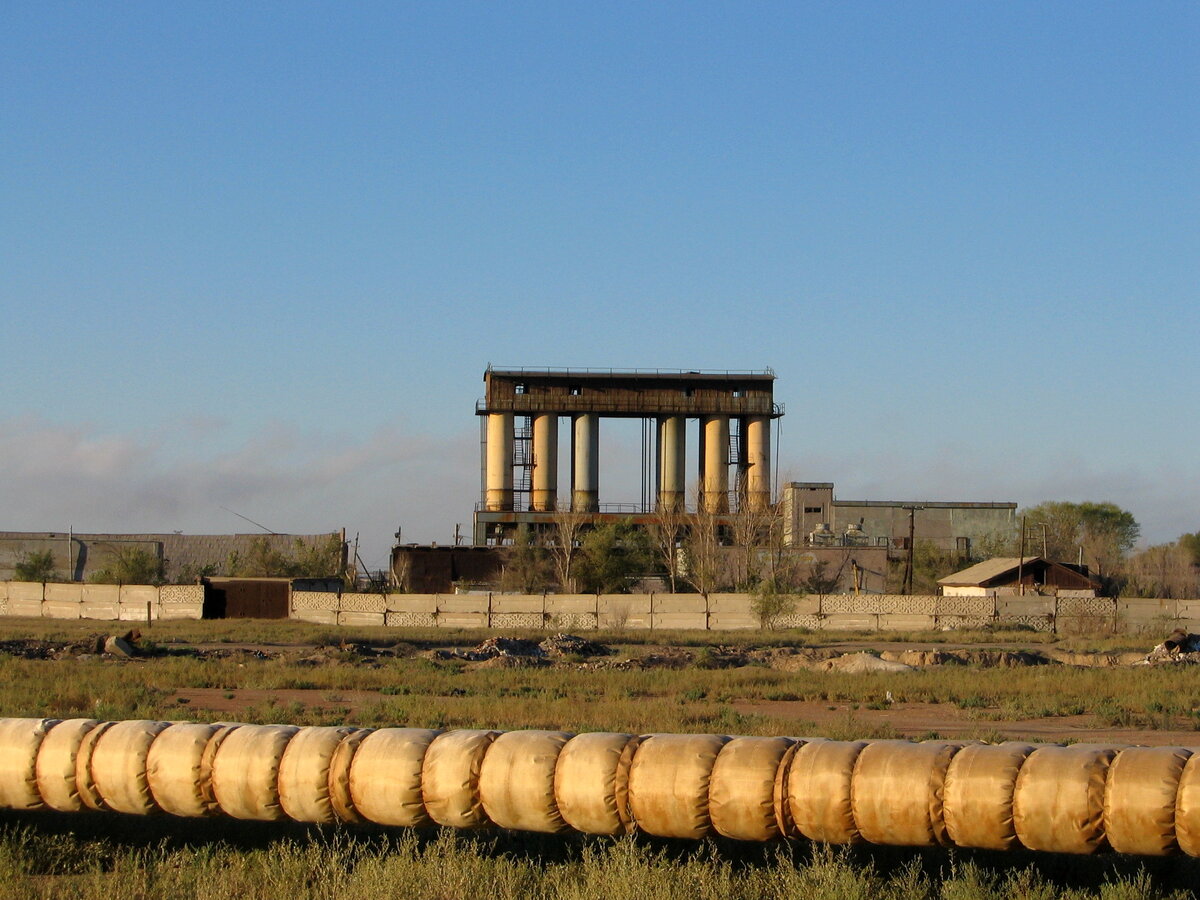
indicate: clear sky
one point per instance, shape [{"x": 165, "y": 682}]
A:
[{"x": 258, "y": 256}]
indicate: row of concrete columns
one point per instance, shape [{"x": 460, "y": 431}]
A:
[{"x": 585, "y": 462}]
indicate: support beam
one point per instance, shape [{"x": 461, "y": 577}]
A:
[
  {"x": 545, "y": 462},
  {"x": 756, "y": 431},
  {"x": 585, "y": 462},
  {"x": 714, "y": 460},
  {"x": 499, "y": 484},
  {"x": 672, "y": 473}
]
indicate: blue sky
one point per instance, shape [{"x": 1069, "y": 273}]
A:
[{"x": 257, "y": 256}]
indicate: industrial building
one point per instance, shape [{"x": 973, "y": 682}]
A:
[
  {"x": 812, "y": 516},
  {"x": 520, "y": 424}
]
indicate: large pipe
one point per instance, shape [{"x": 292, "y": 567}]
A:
[
  {"x": 714, "y": 461},
  {"x": 545, "y": 462},
  {"x": 756, "y": 432},
  {"x": 585, "y": 462},
  {"x": 499, "y": 484},
  {"x": 672, "y": 473},
  {"x": 1076, "y": 799}
]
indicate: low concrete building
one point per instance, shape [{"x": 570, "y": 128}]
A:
[
  {"x": 1012, "y": 575},
  {"x": 814, "y": 517}
]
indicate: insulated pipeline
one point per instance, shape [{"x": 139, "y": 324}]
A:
[{"x": 1073, "y": 799}]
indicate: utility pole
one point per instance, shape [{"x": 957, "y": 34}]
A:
[
  {"x": 912, "y": 531},
  {"x": 1021, "y": 561}
]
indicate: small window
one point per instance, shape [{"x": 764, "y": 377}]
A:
[
  {"x": 687, "y": 392},
  {"x": 738, "y": 394},
  {"x": 575, "y": 390},
  {"x": 520, "y": 388},
  {"x": 812, "y": 509}
]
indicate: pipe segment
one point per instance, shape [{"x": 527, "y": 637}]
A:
[{"x": 1077, "y": 799}]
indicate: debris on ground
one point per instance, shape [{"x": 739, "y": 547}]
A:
[
  {"x": 863, "y": 663},
  {"x": 495, "y": 647},
  {"x": 1179, "y": 647},
  {"x": 572, "y": 645}
]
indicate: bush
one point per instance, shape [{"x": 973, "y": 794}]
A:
[
  {"x": 37, "y": 565},
  {"x": 770, "y": 603}
]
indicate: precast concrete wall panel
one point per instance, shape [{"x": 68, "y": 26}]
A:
[
  {"x": 1139, "y": 799},
  {"x": 181, "y": 595},
  {"x": 55, "y": 767},
  {"x": 317, "y": 616},
  {"x": 897, "y": 792},
  {"x": 25, "y": 598},
  {"x": 742, "y": 789},
  {"x": 904, "y": 605},
  {"x": 906, "y": 622},
  {"x": 63, "y": 593},
  {"x": 246, "y": 771},
  {"x": 517, "y": 603},
  {"x": 591, "y": 782},
  {"x": 179, "y": 768},
  {"x": 1058, "y": 803},
  {"x": 818, "y": 789},
  {"x": 385, "y": 776},
  {"x": 26, "y": 591},
  {"x": 516, "y": 781},
  {"x": 1010, "y": 606},
  {"x": 411, "y": 603},
  {"x": 572, "y": 611},
  {"x": 978, "y": 795},
  {"x": 849, "y": 622},
  {"x": 304, "y": 603},
  {"x": 304, "y": 773},
  {"x": 20, "y": 740},
  {"x": 181, "y": 611},
  {"x": 733, "y": 621},
  {"x": 450, "y": 777},
  {"x": 360, "y": 619},
  {"x": 669, "y": 783},
  {"x": 118, "y": 766},
  {"x": 462, "y": 620},
  {"x": 358, "y": 602},
  {"x": 62, "y": 609},
  {"x": 682, "y": 621},
  {"x": 85, "y": 784},
  {"x": 625, "y": 611},
  {"x": 100, "y": 601}
]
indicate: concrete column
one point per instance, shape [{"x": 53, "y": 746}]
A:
[
  {"x": 585, "y": 462},
  {"x": 672, "y": 472},
  {"x": 756, "y": 431},
  {"x": 499, "y": 482},
  {"x": 545, "y": 462},
  {"x": 715, "y": 462}
]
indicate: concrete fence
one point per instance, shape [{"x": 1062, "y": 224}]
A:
[
  {"x": 581, "y": 612},
  {"x": 1078, "y": 799},
  {"x": 721, "y": 612},
  {"x": 127, "y": 602}
]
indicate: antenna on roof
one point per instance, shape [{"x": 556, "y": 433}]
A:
[{"x": 251, "y": 521}]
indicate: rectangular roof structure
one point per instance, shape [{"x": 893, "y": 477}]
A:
[{"x": 633, "y": 393}]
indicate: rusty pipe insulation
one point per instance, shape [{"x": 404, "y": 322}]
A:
[{"x": 1074, "y": 799}]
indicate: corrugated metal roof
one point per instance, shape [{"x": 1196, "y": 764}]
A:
[{"x": 986, "y": 571}]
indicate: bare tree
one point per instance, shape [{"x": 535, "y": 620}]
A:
[
  {"x": 702, "y": 551},
  {"x": 566, "y": 542},
  {"x": 668, "y": 535}
]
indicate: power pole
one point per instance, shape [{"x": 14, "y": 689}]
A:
[{"x": 908, "y": 562}]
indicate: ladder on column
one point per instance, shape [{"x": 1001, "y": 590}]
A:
[{"x": 523, "y": 463}]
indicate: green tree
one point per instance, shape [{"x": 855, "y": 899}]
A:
[
  {"x": 1103, "y": 531},
  {"x": 770, "y": 602},
  {"x": 610, "y": 555},
  {"x": 264, "y": 559},
  {"x": 526, "y": 566},
  {"x": 130, "y": 565},
  {"x": 1191, "y": 544},
  {"x": 36, "y": 565}
]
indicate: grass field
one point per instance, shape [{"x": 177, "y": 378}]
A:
[{"x": 115, "y": 857}]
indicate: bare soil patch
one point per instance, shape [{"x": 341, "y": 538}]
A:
[{"x": 915, "y": 720}]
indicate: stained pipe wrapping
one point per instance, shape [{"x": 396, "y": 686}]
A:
[{"x": 1063, "y": 799}]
